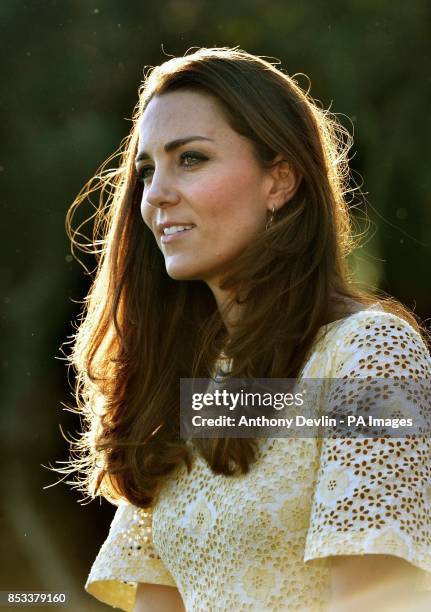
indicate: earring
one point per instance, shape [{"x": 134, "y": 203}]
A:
[{"x": 271, "y": 219}]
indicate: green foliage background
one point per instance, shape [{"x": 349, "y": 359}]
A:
[{"x": 70, "y": 74}]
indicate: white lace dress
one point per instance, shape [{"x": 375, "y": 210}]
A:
[{"x": 259, "y": 541}]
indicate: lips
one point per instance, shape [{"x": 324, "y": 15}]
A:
[
  {"x": 173, "y": 229},
  {"x": 165, "y": 238},
  {"x": 161, "y": 226}
]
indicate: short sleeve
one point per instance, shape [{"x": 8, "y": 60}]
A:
[
  {"x": 126, "y": 557},
  {"x": 373, "y": 495}
]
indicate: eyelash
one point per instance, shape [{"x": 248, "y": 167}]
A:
[{"x": 198, "y": 156}]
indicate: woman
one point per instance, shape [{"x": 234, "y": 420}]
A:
[{"x": 225, "y": 235}]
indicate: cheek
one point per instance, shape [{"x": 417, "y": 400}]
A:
[{"x": 234, "y": 194}]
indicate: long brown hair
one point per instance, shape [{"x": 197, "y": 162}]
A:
[{"x": 141, "y": 331}]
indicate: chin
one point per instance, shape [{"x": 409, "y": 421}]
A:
[{"x": 182, "y": 273}]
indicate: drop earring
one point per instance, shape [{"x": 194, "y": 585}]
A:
[{"x": 271, "y": 219}]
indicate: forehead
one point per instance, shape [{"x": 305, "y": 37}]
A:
[{"x": 176, "y": 113}]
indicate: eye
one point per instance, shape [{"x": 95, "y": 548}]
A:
[
  {"x": 143, "y": 174},
  {"x": 192, "y": 155}
]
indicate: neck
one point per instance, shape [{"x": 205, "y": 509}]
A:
[{"x": 229, "y": 312}]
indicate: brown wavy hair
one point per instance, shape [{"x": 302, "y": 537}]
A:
[{"x": 141, "y": 331}]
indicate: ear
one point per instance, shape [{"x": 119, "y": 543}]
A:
[{"x": 285, "y": 182}]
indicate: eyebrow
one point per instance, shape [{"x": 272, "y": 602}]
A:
[{"x": 171, "y": 146}]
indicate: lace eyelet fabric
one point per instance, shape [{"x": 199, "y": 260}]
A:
[{"x": 260, "y": 541}]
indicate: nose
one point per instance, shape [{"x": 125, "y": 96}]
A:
[{"x": 161, "y": 192}]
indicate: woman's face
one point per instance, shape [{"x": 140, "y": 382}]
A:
[{"x": 210, "y": 183}]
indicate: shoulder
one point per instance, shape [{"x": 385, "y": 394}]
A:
[
  {"x": 370, "y": 341},
  {"x": 377, "y": 342}
]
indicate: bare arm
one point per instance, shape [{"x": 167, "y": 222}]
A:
[
  {"x": 158, "y": 598},
  {"x": 375, "y": 583}
]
